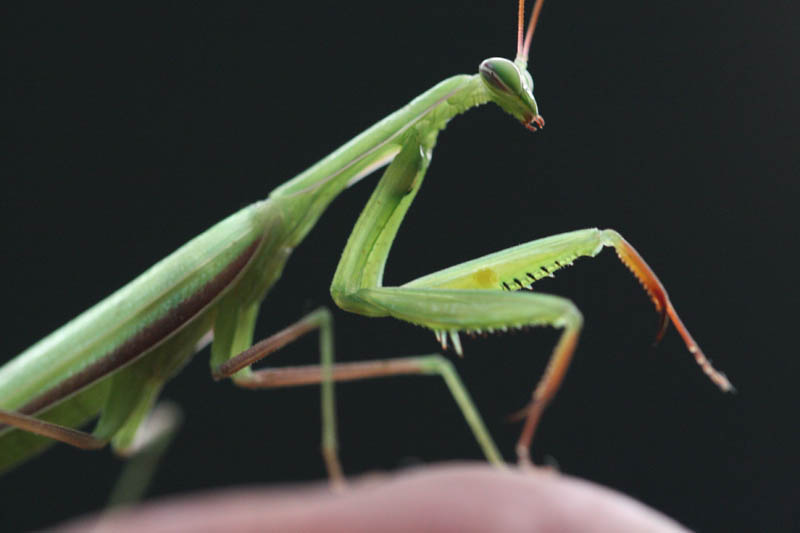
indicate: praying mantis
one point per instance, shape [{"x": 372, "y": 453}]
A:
[{"x": 415, "y": 156}]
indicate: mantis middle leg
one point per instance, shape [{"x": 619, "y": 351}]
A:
[{"x": 238, "y": 369}]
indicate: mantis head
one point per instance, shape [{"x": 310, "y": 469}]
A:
[
  {"x": 509, "y": 83},
  {"x": 511, "y": 87}
]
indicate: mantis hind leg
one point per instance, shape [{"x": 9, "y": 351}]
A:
[
  {"x": 150, "y": 440},
  {"x": 124, "y": 401},
  {"x": 137, "y": 428},
  {"x": 73, "y": 437}
]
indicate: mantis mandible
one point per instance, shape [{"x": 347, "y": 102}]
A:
[{"x": 114, "y": 359}]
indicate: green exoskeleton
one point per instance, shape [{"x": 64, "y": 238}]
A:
[{"x": 114, "y": 359}]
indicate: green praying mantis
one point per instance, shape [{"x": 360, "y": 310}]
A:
[{"x": 114, "y": 359}]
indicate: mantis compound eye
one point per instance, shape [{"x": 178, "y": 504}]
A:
[{"x": 502, "y": 75}]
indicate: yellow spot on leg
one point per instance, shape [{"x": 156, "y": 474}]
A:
[{"x": 486, "y": 278}]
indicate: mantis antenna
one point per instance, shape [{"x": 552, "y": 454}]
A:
[{"x": 524, "y": 47}]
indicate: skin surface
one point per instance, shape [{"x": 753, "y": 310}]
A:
[{"x": 460, "y": 497}]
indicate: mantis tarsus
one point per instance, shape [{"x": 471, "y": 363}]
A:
[{"x": 284, "y": 220}]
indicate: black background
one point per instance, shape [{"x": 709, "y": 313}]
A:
[{"x": 134, "y": 129}]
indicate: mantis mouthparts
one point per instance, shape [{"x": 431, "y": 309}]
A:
[{"x": 538, "y": 120}]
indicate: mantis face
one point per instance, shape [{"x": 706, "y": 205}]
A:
[{"x": 511, "y": 87}]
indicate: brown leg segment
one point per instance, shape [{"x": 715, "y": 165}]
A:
[
  {"x": 547, "y": 387},
  {"x": 68, "y": 435},
  {"x": 264, "y": 348},
  {"x": 312, "y": 374}
]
